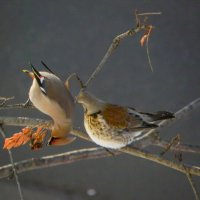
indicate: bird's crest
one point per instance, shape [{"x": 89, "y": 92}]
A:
[{"x": 47, "y": 67}]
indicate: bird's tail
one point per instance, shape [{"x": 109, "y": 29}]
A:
[
  {"x": 160, "y": 115},
  {"x": 56, "y": 141}
]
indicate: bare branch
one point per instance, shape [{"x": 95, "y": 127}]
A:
[
  {"x": 179, "y": 147},
  {"x": 54, "y": 160},
  {"x": 92, "y": 153},
  {"x": 115, "y": 43},
  {"x": 4, "y": 100},
  {"x": 150, "y": 13},
  {"x": 19, "y": 105},
  {"x": 193, "y": 186},
  {"x": 160, "y": 160}
]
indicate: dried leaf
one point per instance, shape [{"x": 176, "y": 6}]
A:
[
  {"x": 26, "y": 135},
  {"x": 143, "y": 39},
  {"x": 38, "y": 138},
  {"x": 18, "y": 139}
]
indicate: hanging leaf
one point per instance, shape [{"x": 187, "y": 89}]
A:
[{"x": 145, "y": 37}]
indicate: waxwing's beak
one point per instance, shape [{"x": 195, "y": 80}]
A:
[{"x": 29, "y": 73}]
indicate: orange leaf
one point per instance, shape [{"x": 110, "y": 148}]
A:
[
  {"x": 26, "y": 130},
  {"x": 18, "y": 139},
  {"x": 146, "y": 35},
  {"x": 8, "y": 143},
  {"x": 37, "y": 138},
  {"x": 143, "y": 39}
]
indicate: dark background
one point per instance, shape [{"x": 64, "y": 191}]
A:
[{"x": 72, "y": 36}]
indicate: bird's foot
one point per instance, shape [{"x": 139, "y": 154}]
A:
[
  {"x": 111, "y": 152},
  {"x": 54, "y": 141},
  {"x": 27, "y": 104},
  {"x": 174, "y": 141}
]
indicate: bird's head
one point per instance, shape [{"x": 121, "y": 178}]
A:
[{"x": 90, "y": 103}]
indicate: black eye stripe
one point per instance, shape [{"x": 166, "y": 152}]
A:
[
  {"x": 40, "y": 79},
  {"x": 35, "y": 72}
]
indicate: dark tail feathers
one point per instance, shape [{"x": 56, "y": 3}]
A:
[{"x": 160, "y": 115}]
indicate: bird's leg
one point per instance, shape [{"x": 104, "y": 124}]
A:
[
  {"x": 27, "y": 104},
  {"x": 110, "y": 151}
]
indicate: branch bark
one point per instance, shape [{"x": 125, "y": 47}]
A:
[{"x": 54, "y": 160}]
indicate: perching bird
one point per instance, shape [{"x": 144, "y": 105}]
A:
[
  {"x": 113, "y": 126},
  {"x": 51, "y": 96}
]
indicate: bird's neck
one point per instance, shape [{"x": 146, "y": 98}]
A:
[{"x": 93, "y": 107}]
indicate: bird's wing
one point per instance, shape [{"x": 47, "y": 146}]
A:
[
  {"x": 56, "y": 91},
  {"x": 125, "y": 119}
]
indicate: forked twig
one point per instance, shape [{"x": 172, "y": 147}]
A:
[
  {"x": 115, "y": 43},
  {"x": 174, "y": 141},
  {"x": 4, "y": 100}
]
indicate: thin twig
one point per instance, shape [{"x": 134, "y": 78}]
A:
[
  {"x": 4, "y": 100},
  {"x": 179, "y": 147},
  {"x": 115, "y": 43},
  {"x": 13, "y": 169},
  {"x": 174, "y": 141},
  {"x": 193, "y": 186},
  {"x": 150, "y": 13},
  {"x": 19, "y": 105},
  {"x": 148, "y": 53},
  {"x": 195, "y": 170}
]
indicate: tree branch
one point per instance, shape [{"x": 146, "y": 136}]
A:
[
  {"x": 54, "y": 160},
  {"x": 193, "y": 186},
  {"x": 23, "y": 121},
  {"x": 115, "y": 43}
]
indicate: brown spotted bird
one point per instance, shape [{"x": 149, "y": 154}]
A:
[
  {"x": 113, "y": 126},
  {"x": 52, "y": 97}
]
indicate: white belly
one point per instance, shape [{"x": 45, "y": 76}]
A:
[
  {"x": 111, "y": 144},
  {"x": 114, "y": 142}
]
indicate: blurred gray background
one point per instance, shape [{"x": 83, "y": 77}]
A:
[{"x": 72, "y": 36}]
